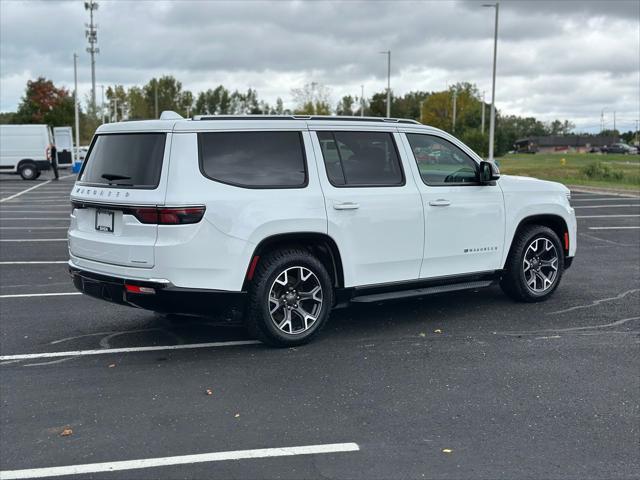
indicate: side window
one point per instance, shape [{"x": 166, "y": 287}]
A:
[
  {"x": 254, "y": 159},
  {"x": 440, "y": 162},
  {"x": 361, "y": 159}
]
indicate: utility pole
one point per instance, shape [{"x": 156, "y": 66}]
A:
[
  {"x": 388, "y": 54},
  {"x": 362, "y": 100},
  {"x": 92, "y": 37},
  {"x": 102, "y": 105},
  {"x": 155, "y": 94},
  {"x": 75, "y": 101},
  {"x": 455, "y": 98},
  {"x": 492, "y": 119},
  {"x": 483, "y": 109}
]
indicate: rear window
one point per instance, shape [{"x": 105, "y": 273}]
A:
[
  {"x": 125, "y": 160},
  {"x": 254, "y": 159}
]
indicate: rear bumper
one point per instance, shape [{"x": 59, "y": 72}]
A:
[{"x": 165, "y": 299}]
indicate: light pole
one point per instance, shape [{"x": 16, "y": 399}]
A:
[
  {"x": 362, "y": 100},
  {"x": 455, "y": 98},
  {"x": 388, "y": 54},
  {"x": 482, "y": 117},
  {"x": 102, "y": 105},
  {"x": 492, "y": 119},
  {"x": 75, "y": 101}
]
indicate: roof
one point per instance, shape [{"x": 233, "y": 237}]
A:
[{"x": 173, "y": 122}]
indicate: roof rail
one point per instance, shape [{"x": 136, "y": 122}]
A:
[{"x": 306, "y": 117}]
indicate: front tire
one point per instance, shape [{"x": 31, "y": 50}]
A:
[
  {"x": 535, "y": 265},
  {"x": 290, "y": 298}
]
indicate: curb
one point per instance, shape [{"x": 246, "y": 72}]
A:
[{"x": 604, "y": 191}]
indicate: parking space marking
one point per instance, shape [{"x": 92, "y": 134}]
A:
[
  {"x": 24, "y": 191},
  {"x": 44, "y": 262},
  {"x": 618, "y": 199},
  {"x": 608, "y": 216},
  {"x": 27, "y": 295},
  {"x": 33, "y": 240},
  {"x": 614, "y": 228},
  {"x": 34, "y": 228},
  {"x": 609, "y": 206},
  {"x": 179, "y": 460},
  {"x": 106, "y": 351}
]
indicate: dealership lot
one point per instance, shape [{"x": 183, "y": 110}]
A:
[{"x": 454, "y": 386}]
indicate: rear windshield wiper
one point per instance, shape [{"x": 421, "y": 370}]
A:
[{"x": 112, "y": 176}]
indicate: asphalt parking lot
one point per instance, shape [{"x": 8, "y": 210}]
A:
[{"x": 456, "y": 386}]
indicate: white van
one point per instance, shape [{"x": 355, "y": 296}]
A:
[
  {"x": 23, "y": 149},
  {"x": 283, "y": 218},
  {"x": 63, "y": 139}
]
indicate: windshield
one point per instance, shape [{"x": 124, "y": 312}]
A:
[{"x": 125, "y": 160}]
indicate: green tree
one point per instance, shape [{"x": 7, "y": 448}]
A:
[
  {"x": 346, "y": 106},
  {"x": 311, "y": 99}
]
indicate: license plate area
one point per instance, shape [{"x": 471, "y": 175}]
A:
[{"x": 104, "y": 221}]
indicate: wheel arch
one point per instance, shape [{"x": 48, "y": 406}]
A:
[
  {"x": 555, "y": 222},
  {"x": 24, "y": 161},
  {"x": 320, "y": 244}
]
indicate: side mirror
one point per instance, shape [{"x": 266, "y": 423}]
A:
[{"x": 488, "y": 172}]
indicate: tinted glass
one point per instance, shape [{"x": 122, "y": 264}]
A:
[
  {"x": 254, "y": 159},
  {"x": 361, "y": 158},
  {"x": 441, "y": 162},
  {"x": 125, "y": 160}
]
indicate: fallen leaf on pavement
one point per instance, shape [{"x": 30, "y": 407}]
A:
[
  {"x": 66, "y": 432},
  {"x": 209, "y": 391},
  {"x": 437, "y": 330},
  {"x": 422, "y": 334},
  {"x": 112, "y": 365},
  {"x": 447, "y": 450},
  {"x": 237, "y": 415}
]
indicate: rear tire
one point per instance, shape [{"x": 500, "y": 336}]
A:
[
  {"x": 290, "y": 298},
  {"x": 535, "y": 265},
  {"x": 28, "y": 171}
]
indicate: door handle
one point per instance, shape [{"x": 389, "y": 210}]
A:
[
  {"x": 441, "y": 202},
  {"x": 346, "y": 206}
]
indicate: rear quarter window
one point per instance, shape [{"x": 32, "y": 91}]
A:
[
  {"x": 254, "y": 159},
  {"x": 127, "y": 160}
]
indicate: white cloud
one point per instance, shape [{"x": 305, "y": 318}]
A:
[{"x": 555, "y": 59}]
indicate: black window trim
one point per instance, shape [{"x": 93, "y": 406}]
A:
[
  {"x": 368, "y": 185},
  {"x": 450, "y": 184},
  {"x": 255, "y": 187},
  {"x": 127, "y": 187}
]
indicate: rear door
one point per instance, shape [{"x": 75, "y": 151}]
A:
[
  {"x": 123, "y": 173},
  {"x": 63, "y": 140},
  {"x": 374, "y": 210}
]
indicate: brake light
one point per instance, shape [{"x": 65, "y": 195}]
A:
[
  {"x": 566, "y": 241},
  {"x": 168, "y": 215}
]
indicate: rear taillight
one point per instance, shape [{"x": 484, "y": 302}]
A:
[{"x": 168, "y": 215}]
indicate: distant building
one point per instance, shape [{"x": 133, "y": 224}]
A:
[{"x": 563, "y": 143}]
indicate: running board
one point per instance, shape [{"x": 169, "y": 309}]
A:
[{"x": 419, "y": 292}]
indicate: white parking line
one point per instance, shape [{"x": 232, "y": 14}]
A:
[
  {"x": 107, "y": 351},
  {"x": 617, "y": 199},
  {"x": 24, "y": 191},
  {"x": 608, "y": 216},
  {"x": 28, "y": 295},
  {"x": 33, "y": 240},
  {"x": 613, "y": 228},
  {"x": 33, "y": 228},
  {"x": 44, "y": 262},
  {"x": 609, "y": 206},
  {"x": 179, "y": 460}
]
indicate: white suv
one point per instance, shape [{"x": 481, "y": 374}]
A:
[{"x": 281, "y": 219}]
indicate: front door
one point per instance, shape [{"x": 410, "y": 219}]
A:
[
  {"x": 374, "y": 210},
  {"x": 464, "y": 220}
]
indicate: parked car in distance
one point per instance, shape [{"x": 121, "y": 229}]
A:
[
  {"x": 621, "y": 148},
  {"x": 279, "y": 220},
  {"x": 23, "y": 150}
]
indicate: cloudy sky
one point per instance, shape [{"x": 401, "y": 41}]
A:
[{"x": 556, "y": 59}]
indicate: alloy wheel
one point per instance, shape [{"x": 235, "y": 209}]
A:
[
  {"x": 295, "y": 300},
  {"x": 540, "y": 265}
]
